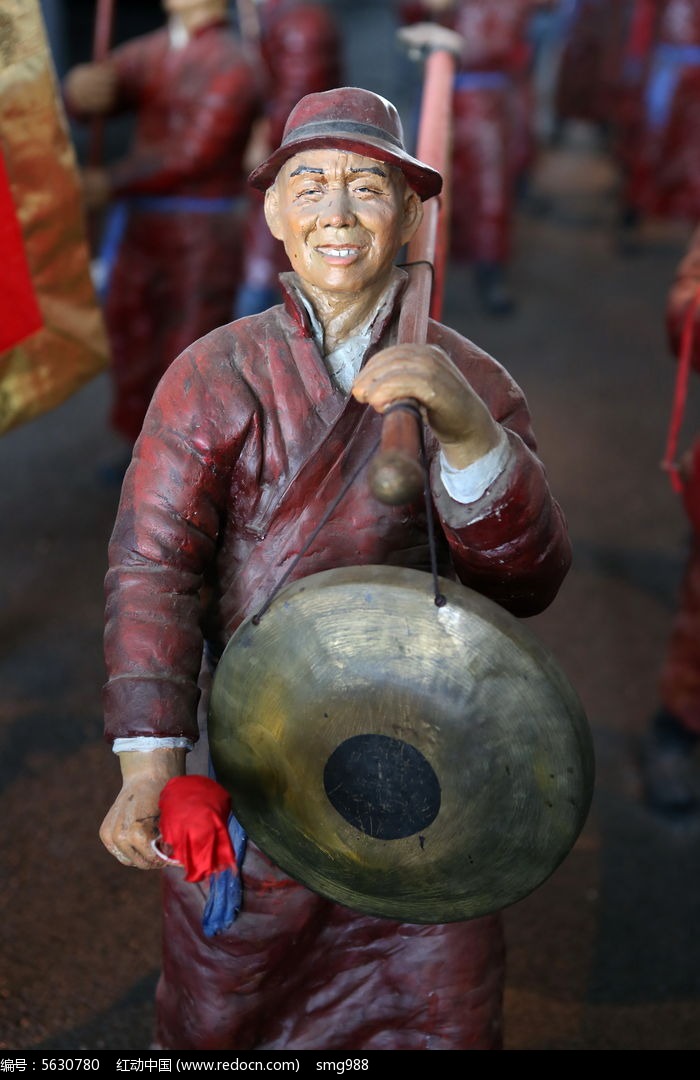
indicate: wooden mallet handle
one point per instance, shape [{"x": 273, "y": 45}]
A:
[{"x": 395, "y": 473}]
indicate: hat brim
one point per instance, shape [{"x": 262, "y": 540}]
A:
[{"x": 424, "y": 180}]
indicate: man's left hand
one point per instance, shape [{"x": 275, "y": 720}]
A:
[{"x": 457, "y": 416}]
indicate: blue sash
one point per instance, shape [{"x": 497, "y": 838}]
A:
[
  {"x": 481, "y": 80},
  {"x": 118, "y": 217},
  {"x": 667, "y": 66}
]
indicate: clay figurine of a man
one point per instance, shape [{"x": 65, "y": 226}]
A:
[
  {"x": 247, "y": 441},
  {"x": 658, "y": 148},
  {"x": 301, "y": 50},
  {"x": 670, "y": 763},
  {"x": 173, "y": 249},
  {"x": 493, "y": 131}
]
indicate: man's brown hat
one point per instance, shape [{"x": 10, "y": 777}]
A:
[{"x": 353, "y": 119}]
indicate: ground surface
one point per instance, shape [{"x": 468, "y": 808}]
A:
[{"x": 605, "y": 955}]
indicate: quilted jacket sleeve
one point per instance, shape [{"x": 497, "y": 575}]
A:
[{"x": 512, "y": 543}]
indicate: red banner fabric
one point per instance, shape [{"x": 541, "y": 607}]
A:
[{"x": 21, "y": 316}]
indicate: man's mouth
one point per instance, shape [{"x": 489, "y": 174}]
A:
[{"x": 336, "y": 251}]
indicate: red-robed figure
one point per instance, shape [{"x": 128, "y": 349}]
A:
[
  {"x": 247, "y": 441},
  {"x": 173, "y": 248},
  {"x": 594, "y": 66},
  {"x": 300, "y": 47},
  {"x": 492, "y": 130},
  {"x": 660, "y": 147},
  {"x": 671, "y": 771}
]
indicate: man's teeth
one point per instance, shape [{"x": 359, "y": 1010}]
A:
[{"x": 340, "y": 252}]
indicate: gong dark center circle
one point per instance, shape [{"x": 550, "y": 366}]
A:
[{"x": 382, "y": 786}]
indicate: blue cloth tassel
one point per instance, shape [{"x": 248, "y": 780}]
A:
[
  {"x": 226, "y": 887},
  {"x": 224, "y": 902}
]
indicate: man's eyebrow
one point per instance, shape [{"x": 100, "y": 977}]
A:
[
  {"x": 304, "y": 169},
  {"x": 370, "y": 169}
]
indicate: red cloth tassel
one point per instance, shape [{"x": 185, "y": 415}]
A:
[{"x": 194, "y": 812}]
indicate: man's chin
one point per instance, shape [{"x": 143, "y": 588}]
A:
[{"x": 350, "y": 279}]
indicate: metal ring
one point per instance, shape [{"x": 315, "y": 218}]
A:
[{"x": 161, "y": 855}]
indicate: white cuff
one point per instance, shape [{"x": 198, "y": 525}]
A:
[
  {"x": 467, "y": 485},
  {"x": 143, "y": 744}
]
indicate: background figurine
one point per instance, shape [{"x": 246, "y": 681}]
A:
[
  {"x": 246, "y": 442},
  {"x": 659, "y": 144},
  {"x": 590, "y": 29},
  {"x": 671, "y": 766},
  {"x": 173, "y": 248},
  {"x": 547, "y": 32},
  {"x": 300, "y": 46},
  {"x": 493, "y": 131}
]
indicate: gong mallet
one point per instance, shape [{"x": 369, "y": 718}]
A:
[{"x": 395, "y": 473}]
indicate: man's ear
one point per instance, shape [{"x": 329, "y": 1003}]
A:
[
  {"x": 412, "y": 214},
  {"x": 272, "y": 212}
]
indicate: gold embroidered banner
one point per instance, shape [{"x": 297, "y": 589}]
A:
[{"x": 52, "y": 337}]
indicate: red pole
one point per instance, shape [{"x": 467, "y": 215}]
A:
[
  {"x": 435, "y": 148},
  {"x": 685, "y": 362},
  {"x": 395, "y": 474}
]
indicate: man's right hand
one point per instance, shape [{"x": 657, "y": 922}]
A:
[
  {"x": 132, "y": 823},
  {"x": 91, "y": 88}
]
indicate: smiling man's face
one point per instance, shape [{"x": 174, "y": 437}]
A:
[{"x": 342, "y": 218}]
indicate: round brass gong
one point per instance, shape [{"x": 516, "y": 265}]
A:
[{"x": 421, "y": 763}]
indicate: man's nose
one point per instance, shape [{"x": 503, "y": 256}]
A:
[{"x": 336, "y": 210}]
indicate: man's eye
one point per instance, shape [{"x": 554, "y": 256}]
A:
[{"x": 307, "y": 192}]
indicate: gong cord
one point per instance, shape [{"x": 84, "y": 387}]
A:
[{"x": 439, "y": 599}]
